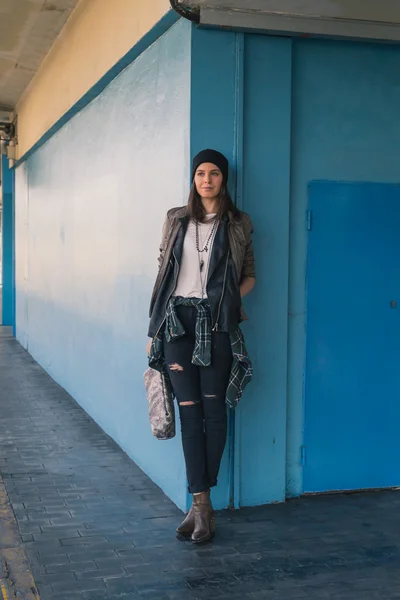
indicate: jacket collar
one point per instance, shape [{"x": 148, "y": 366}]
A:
[
  {"x": 219, "y": 248},
  {"x": 181, "y": 213}
]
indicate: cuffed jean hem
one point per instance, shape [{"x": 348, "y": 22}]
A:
[{"x": 197, "y": 489}]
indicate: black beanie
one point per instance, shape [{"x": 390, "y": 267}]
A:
[{"x": 214, "y": 157}]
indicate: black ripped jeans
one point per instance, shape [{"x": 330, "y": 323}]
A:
[{"x": 204, "y": 423}]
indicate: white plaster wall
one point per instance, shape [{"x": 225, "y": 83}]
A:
[
  {"x": 98, "y": 192},
  {"x": 95, "y": 37}
]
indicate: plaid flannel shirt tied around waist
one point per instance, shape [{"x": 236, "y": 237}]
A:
[{"x": 241, "y": 370}]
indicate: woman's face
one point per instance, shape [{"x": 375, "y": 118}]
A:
[{"x": 208, "y": 181}]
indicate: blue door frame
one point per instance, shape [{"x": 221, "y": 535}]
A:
[{"x": 8, "y": 227}]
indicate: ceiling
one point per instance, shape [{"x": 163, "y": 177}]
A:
[{"x": 28, "y": 29}]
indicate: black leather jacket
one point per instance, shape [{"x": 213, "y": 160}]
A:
[{"x": 232, "y": 259}]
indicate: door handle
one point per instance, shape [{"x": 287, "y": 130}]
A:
[{"x": 392, "y": 304}]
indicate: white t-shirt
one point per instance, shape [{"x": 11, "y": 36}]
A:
[{"x": 191, "y": 281}]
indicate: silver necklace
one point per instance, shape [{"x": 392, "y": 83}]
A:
[
  {"x": 203, "y": 280},
  {"x": 206, "y": 245}
]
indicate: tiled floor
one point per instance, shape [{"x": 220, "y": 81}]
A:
[{"x": 95, "y": 527}]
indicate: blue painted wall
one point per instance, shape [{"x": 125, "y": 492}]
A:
[
  {"x": 90, "y": 207},
  {"x": 253, "y": 81},
  {"x": 90, "y": 204},
  {"x": 7, "y": 190},
  {"x": 266, "y": 197},
  {"x": 308, "y": 110},
  {"x": 212, "y": 126},
  {"x": 345, "y": 127}
]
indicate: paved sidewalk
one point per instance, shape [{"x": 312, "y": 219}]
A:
[{"x": 95, "y": 527}]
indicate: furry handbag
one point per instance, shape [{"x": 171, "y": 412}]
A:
[{"x": 161, "y": 404}]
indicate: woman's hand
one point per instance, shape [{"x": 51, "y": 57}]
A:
[
  {"x": 148, "y": 347},
  {"x": 247, "y": 285}
]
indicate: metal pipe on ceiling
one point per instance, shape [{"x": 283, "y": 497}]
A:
[{"x": 188, "y": 12}]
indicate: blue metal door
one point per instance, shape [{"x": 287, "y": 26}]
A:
[{"x": 352, "y": 387}]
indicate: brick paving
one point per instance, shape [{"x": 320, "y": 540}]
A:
[{"x": 95, "y": 527}]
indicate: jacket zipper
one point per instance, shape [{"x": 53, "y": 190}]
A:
[
  {"x": 170, "y": 296},
  {"x": 215, "y": 328},
  {"x": 159, "y": 279}
]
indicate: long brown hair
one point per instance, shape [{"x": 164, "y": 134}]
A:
[{"x": 196, "y": 209}]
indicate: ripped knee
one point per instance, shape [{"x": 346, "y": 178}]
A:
[
  {"x": 210, "y": 395},
  {"x": 190, "y": 403},
  {"x": 175, "y": 367}
]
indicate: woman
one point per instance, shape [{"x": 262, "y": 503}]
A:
[{"x": 206, "y": 266}]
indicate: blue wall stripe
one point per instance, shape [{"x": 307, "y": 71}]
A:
[
  {"x": 239, "y": 119},
  {"x": 161, "y": 27},
  {"x": 8, "y": 279},
  {"x": 236, "y": 421}
]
